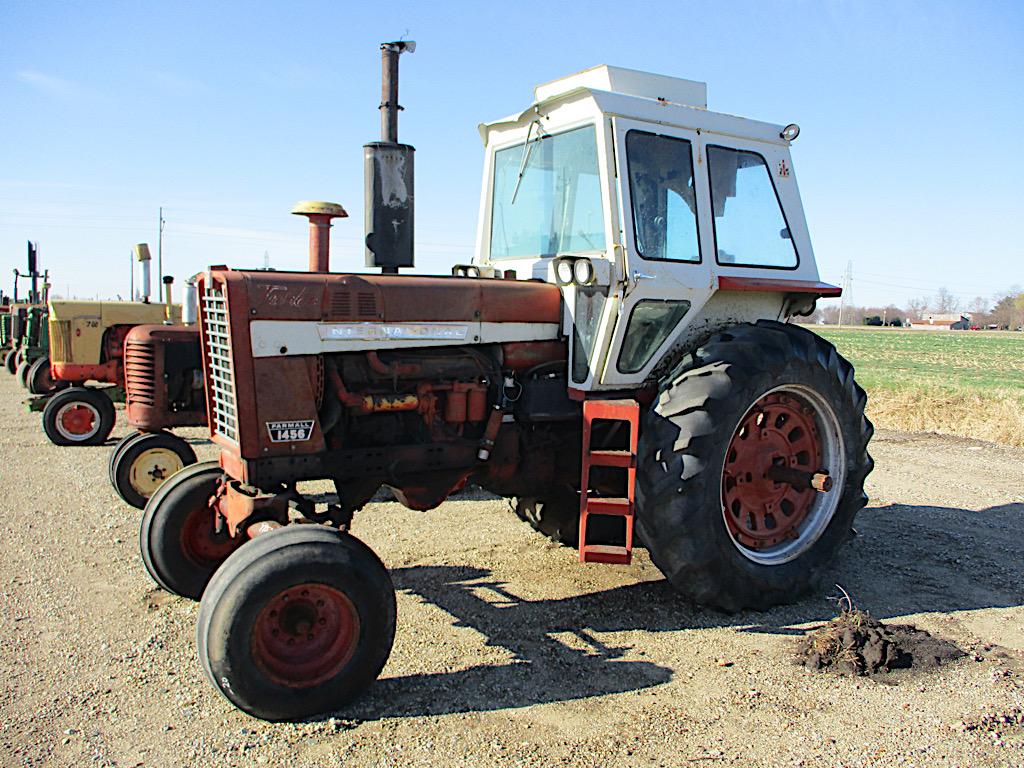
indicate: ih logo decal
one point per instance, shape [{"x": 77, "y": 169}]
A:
[
  {"x": 783, "y": 169},
  {"x": 290, "y": 431}
]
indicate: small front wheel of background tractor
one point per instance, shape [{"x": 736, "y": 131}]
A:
[
  {"x": 21, "y": 374},
  {"x": 181, "y": 548},
  {"x": 40, "y": 379},
  {"x": 11, "y": 361},
  {"x": 297, "y": 623},
  {"x": 146, "y": 462},
  {"x": 119, "y": 446},
  {"x": 752, "y": 465},
  {"x": 78, "y": 416}
]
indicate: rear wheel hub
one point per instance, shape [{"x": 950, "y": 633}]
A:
[{"x": 786, "y": 439}]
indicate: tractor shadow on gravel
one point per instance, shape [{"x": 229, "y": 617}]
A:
[{"x": 905, "y": 560}]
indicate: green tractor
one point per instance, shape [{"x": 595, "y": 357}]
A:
[
  {"x": 26, "y": 333},
  {"x": 33, "y": 362}
]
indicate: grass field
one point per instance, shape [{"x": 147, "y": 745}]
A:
[{"x": 963, "y": 383}]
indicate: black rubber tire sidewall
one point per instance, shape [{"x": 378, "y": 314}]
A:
[
  {"x": 122, "y": 462},
  {"x": 10, "y": 361},
  {"x": 40, "y": 380},
  {"x": 683, "y": 443},
  {"x": 98, "y": 400},
  {"x": 21, "y": 374},
  {"x": 162, "y": 523},
  {"x": 119, "y": 446},
  {"x": 290, "y": 556}
]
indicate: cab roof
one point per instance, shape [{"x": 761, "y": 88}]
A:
[{"x": 642, "y": 96}]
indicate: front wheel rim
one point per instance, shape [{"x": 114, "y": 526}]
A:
[
  {"x": 305, "y": 635},
  {"x": 77, "y": 421},
  {"x": 151, "y": 468},
  {"x": 793, "y": 430}
]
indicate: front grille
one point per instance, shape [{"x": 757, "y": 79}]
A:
[
  {"x": 60, "y": 341},
  {"x": 140, "y": 372},
  {"x": 221, "y": 378}
]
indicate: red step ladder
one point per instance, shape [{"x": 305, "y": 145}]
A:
[{"x": 628, "y": 412}]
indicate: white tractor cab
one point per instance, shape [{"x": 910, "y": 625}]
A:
[{"x": 661, "y": 221}]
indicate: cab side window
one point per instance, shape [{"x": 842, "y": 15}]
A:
[
  {"x": 662, "y": 193},
  {"x": 750, "y": 228}
]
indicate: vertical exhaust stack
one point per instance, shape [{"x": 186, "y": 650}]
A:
[
  {"x": 388, "y": 169},
  {"x": 319, "y": 215},
  {"x": 190, "y": 305},
  {"x": 33, "y": 272},
  {"x": 142, "y": 254},
  {"x": 168, "y": 281}
]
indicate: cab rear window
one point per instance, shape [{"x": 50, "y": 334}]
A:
[{"x": 750, "y": 228}]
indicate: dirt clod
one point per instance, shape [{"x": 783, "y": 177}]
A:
[{"x": 854, "y": 643}]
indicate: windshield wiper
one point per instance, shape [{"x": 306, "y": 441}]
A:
[{"x": 527, "y": 149}]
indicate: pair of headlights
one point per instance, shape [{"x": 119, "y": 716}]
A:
[{"x": 574, "y": 272}]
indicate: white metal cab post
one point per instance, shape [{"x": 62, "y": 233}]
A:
[{"x": 662, "y": 221}]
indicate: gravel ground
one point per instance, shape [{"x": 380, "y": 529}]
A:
[{"x": 508, "y": 651}]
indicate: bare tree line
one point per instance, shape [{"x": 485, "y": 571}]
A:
[{"x": 1003, "y": 310}]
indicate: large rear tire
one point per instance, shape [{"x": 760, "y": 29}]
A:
[
  {"x": 727, "y": 457},
  {"x": 11, "y": 361},
  {"x": 180, "y": 546},
  {"x": 146, "y": 462},
  {"x": 297, "y": 623},
  {"x": 78, "y": 416}
]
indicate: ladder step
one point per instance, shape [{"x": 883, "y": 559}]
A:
[
  {"x": 605, "y": 553},
  {"x": 612, "y": 459},
  {"x": 626, "y": 410},
  {"x": 609, "y": 506}
]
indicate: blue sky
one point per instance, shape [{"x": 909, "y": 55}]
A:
[{"x": 227, "y": 113}]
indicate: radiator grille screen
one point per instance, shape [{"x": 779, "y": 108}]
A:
[
  {"x": 221, "y": 379},
  {"x": 140, "y": 372}
]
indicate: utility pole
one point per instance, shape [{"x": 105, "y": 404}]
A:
[
  {"x": 160, "y": 250},
  {"x": 266, "y": 261},
  {"x": 847, "y": 289}
]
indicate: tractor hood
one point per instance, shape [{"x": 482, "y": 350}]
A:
[
  {"x": 113, "y": 312},
  {"x": 302, "y": 313}
]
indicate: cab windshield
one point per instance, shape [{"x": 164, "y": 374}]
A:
[{"x": 547, "y": 197}]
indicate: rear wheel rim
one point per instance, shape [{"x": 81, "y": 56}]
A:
[
  {"x": 772, "y": 522},
  {"x": 305, "y": 635},
  {"x": 151, "y": 468},
  {"x": 77, "y": 421}
]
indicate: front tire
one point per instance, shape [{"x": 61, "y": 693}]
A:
[
  {"x": 727, "y": 455},
  {"x": 40, "y": 379},
  {"x": 21, "y": 374},
  {"x": 180, "y": 547},
  {"x": 78, "y": 416},
  {"x": 11, "y": 361},
  {"x": 296, "y": 624},
  {"x": 143, "y": 464}
]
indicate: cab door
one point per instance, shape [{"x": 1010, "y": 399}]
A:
[{"x": 668, "y": 245}]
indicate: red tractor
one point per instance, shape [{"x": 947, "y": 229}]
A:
[
  {"x": 163, "y": 389},
  {"x": 617, "y": 358}
]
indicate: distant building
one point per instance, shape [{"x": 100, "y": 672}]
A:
[{"x": 942, "y": 322}]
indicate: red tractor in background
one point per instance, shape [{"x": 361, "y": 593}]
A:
[
  {"x": 163, "y": 389},
  {"x": 617, "y": 353}
]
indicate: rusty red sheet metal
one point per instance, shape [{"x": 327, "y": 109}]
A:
[{"x": 777, "y": 285}]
